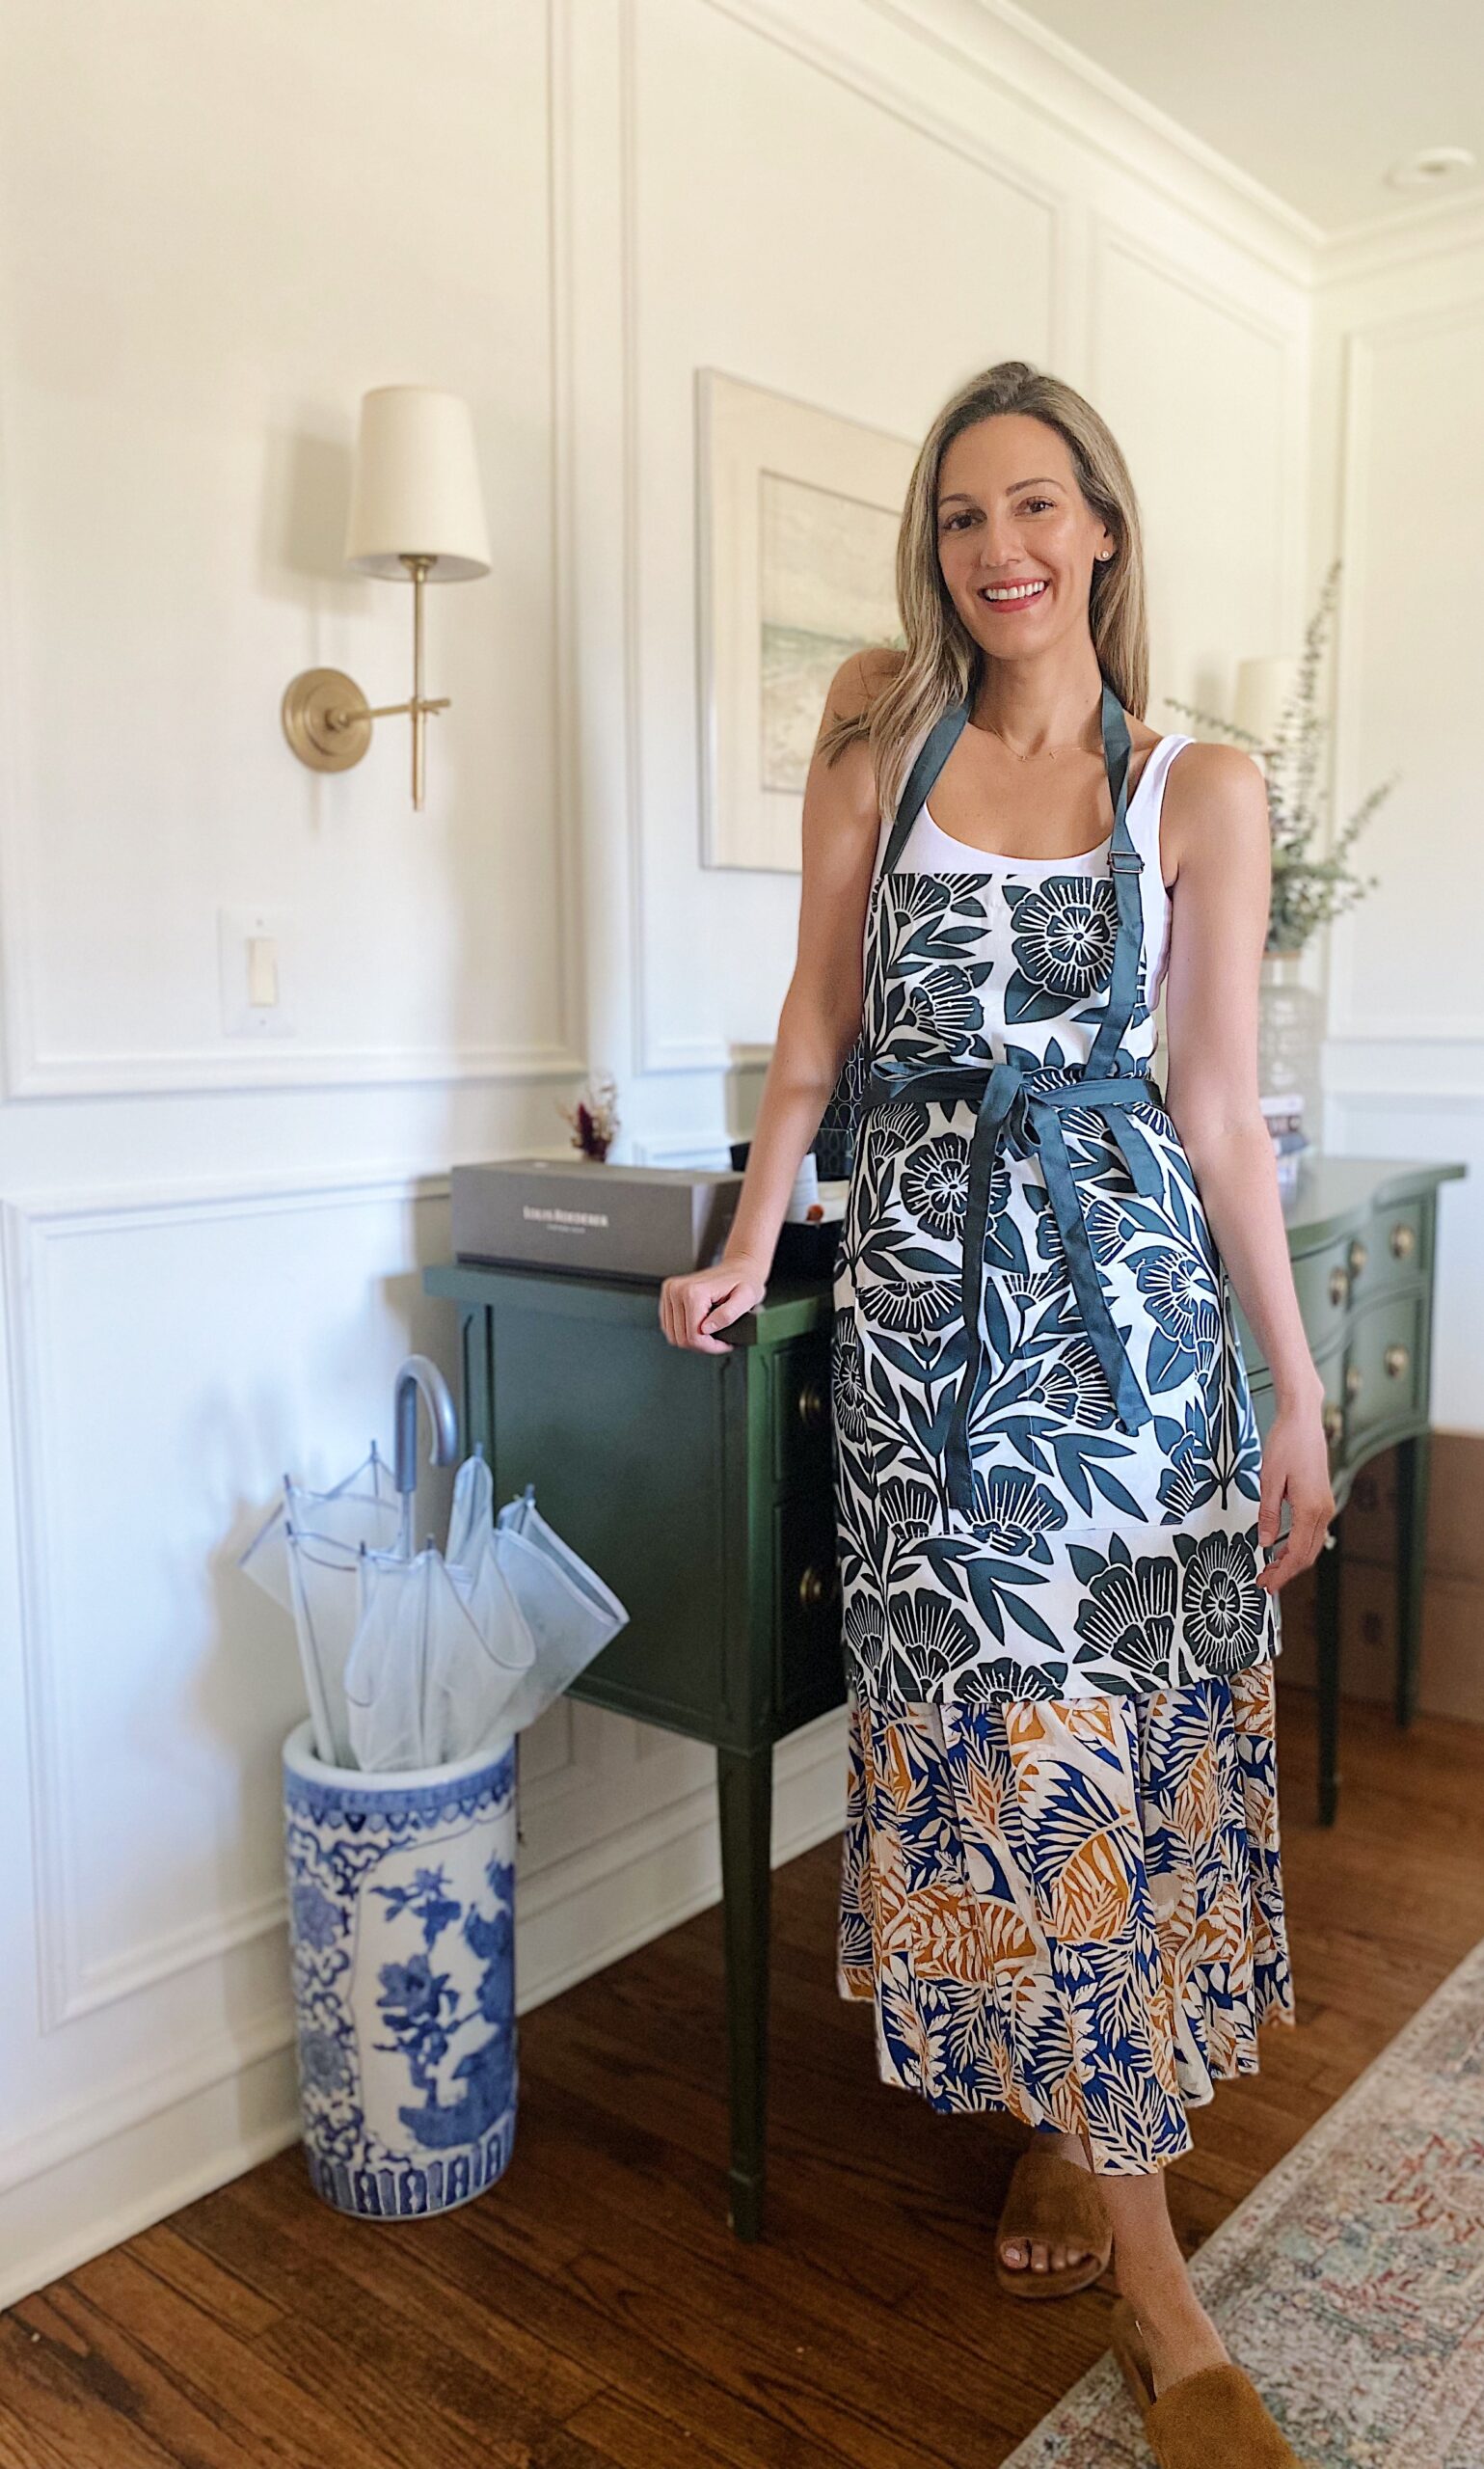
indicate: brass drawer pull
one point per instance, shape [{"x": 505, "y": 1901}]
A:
[
  {"x": 812, "y": 1405},
  {"x": 1339, "y": 1284},
  {"x": 1353, "y": 1380},
  {"x": 1333, "y": 1423},
  {"x": 1396, "y": 1360},
  {"x": 817, "y": 1586},
  {"x": 1358, "y": 1257},
  {"x": 1403, "y": 1238}
]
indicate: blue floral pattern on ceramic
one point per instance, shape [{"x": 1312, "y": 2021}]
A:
[{"x": 401, "y": 1907}]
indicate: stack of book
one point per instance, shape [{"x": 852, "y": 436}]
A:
[{"x": 1284, "y": 1118}]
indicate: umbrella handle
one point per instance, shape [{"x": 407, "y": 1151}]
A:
[{"x": 418, "y": 1373}]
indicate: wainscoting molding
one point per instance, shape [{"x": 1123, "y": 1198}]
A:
[{"x": 30, "y": 1229}]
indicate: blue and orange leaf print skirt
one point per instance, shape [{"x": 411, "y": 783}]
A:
[{"x": 1071, "y": 1910}]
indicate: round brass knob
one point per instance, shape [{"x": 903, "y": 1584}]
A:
[
  {"x": 1339, "y": 1284},
  {"x": 1358, "y": 1257},
  {"x": 1333, "y": 1423},
  {"x": 812, "y": 1405},
  {"x": 1396, "y": 1360},
  {"x": 817, "y": 1586},
  {"x": 1353, "y": 1380},
  {"x": 1403, "y": 1238}
]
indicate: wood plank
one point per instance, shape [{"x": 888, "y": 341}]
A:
[{"x": 593, "y": 2311}]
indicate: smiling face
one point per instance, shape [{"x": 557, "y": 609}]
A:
[{"x": 1016, "y": 538}]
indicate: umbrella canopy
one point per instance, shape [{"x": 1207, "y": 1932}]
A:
[
  {"x": 306, "y": 1557},
  {"x": 418, "y": 1659}
]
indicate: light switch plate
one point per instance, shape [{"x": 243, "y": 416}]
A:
[{"x": 237, "y": 928}]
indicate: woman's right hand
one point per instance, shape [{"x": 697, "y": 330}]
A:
[{"x": 706, "y": 1300}]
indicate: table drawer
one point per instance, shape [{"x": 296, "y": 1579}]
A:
[
  {"x": 807, "y": 1644},
  {"x": 1322, "y": 1283},
  {"x": 1331, "y": 1368},
  {"x": 802, "y": 1411},
  {"x": 1386, "y": 1371},
  {"x": 1395, "y": 1249}
]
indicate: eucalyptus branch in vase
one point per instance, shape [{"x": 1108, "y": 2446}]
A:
[{"x": 1308, "y": 889}]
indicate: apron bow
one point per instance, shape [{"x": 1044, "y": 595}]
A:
[{"x": 1017, "y": 1107}]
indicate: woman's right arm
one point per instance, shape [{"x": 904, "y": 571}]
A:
[{"x": 818, "y": 1023}]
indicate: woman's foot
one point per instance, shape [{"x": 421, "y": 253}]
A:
[
  {"x": 1033, "y": 2255},
  {"x": 1179, "y": 2336}
]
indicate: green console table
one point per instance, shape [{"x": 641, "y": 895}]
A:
[
  {"x": 700, "y": 1487},
  {"x": 1363, "y": 1240}
]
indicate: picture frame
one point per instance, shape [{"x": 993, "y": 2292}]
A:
[{"x": 798, "y": 512}]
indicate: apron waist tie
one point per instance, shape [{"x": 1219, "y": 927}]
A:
[{"x": 1007, "y": 1098}]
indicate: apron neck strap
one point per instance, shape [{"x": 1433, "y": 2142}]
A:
[
  {"x": 1126, "y": 867},
  {"x": 941, "y": 739}
]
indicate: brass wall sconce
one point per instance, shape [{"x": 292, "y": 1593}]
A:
[{"x": 417, "y": 515}]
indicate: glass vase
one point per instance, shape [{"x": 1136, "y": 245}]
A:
[{"x": 1290, "y": 1036}]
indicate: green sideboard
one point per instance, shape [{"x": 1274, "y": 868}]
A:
[
  {"x": 700, "y": 1487},
  {"x": 1362, "y": 1237}
]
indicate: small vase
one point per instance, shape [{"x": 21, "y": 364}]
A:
[{"x": 1290, "y": 1036}]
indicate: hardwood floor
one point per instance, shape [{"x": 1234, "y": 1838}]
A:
[{"x": 593, "y": 2310}]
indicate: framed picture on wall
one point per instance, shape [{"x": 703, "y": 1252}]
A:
[{"x": 798, "y": 518}]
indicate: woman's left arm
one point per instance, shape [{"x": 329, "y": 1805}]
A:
[{"x": 1215, "y": 824}]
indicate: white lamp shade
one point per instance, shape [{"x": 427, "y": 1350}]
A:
[
  {"x": 416, "y": 487},
  {"x": 1263, "y": 687}
]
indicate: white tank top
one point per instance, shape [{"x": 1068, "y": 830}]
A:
[{"x": 929, "y": 850}]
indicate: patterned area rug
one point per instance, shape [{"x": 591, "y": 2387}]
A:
[{"x": 1350, "y": 2283}]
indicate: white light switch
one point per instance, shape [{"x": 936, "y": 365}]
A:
[
  {"x": 257, "y": 967},
  {"x": 262, "y": 970}
]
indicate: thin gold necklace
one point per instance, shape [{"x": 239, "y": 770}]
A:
[{"x": 1050, "y": 751}]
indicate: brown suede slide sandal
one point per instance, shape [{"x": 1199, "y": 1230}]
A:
[
  {"x": 1057, "y": 2204},
  {"x": 1215, "y": 2415}
]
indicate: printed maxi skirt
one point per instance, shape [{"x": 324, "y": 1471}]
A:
[
  {"x": 1071, "y": 1910},
  {"x": 1059, "y": 1880}
]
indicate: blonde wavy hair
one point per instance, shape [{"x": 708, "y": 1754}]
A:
[{"x": 943, "y": 661}]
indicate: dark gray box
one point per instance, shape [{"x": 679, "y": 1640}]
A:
[{"x": 614, "y": 1221}]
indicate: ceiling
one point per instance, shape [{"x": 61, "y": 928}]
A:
[{"x": 1315, "y": 99}]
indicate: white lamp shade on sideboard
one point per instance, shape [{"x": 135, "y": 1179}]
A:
[
  {"x": 1262, "y": 689},
  {"x": 414, "y": 488}
]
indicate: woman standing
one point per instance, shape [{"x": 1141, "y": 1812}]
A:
[{"x": 1060, "y": 1883}]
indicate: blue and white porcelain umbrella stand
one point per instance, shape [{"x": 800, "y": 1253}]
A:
[
  {"x": 401, "y": 1910},
  {"x": 401, "y": 1893},
  {"x": 401, "y": 1873}
]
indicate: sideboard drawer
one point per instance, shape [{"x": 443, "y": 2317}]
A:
[
  {"x": 807, "y": 1644},
  {"x": 1399, "y": 1248},
  {"x": 1322, "y": 1280},
  {"x": 802, "y": 1411},
  {"x": 1384, "y": 1368}
]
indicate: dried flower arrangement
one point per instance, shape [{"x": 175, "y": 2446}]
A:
[
  {"x": 594, "y": 1118},
  {"x": 1307, "y": 890}
]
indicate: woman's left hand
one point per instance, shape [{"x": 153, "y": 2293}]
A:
[{"x": 1296, "y": 1467}]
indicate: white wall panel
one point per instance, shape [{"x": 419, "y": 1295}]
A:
[
  {"x": 216, "y": 234},
  {"x": 1201, "y": 393},
  {"x": 808, "y": 237},
  {"x": 1405, "y": 963}
]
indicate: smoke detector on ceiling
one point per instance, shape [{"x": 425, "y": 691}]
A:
[{"x": 1430, "y": 165}]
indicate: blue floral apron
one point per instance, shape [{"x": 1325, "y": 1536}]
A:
[{"x": 1046, "y": 1461}]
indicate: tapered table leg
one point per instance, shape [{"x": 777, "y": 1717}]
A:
[
  {"x": 745, "y": 1784},
  {"x": 1327, "y": 1579},
  {"x": 1413, "y": 1465}
]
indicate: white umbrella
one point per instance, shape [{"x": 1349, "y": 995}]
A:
[{"x": 420, "y": 1658}]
